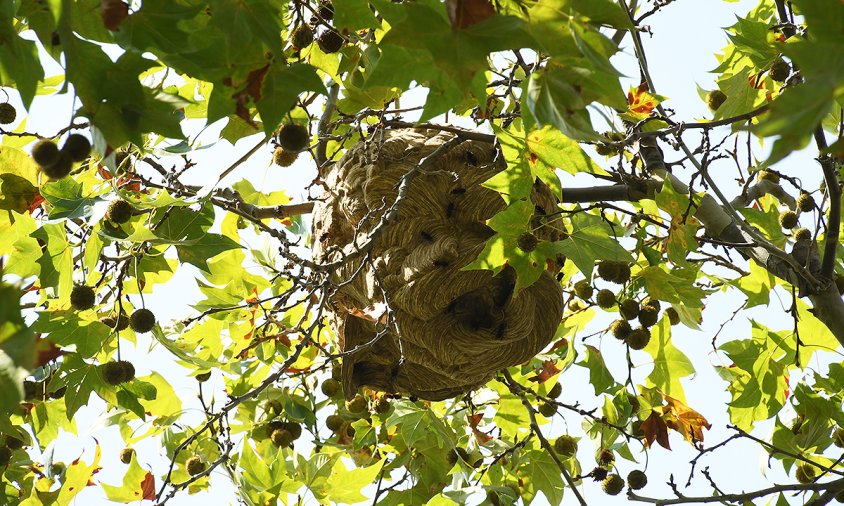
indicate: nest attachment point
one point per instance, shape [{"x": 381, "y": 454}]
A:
[{"x": 447, "y": 331}]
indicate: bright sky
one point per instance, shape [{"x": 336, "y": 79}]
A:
[{"x": 680, "y": 53}]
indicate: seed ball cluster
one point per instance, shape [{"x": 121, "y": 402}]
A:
[
  {"x": 56, "y": 163},
  {"x": 117, "y": 372}
]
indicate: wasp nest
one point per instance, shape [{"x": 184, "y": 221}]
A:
[{"x": 447, "y": 330}]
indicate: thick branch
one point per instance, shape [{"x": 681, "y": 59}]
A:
[{"x": 741, "y": 498}]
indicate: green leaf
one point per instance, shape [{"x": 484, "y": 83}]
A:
[
  {"x": 280, "y": 88},
  {"x": 541, "y": 474},
  {"x": 81, "y": 379},
  {"x": 345, "y": 485},
  {"x": 67, "y": 199},
  {"x": 758, "y": 381},
  {"x": 670, "y": 364},
  {"x": 354, "y": 15},
  {"x": 19, "y": 62},
  {"x": 592, "y": 239},
  {"x": 132, "y": 490},
  {"x": 671, "y": 287},
  {"x": 681, "y": 233},
  {"x": 600, "y": 377},
  {"x": 757, "y": 286},
  {"x": 199, "y": 251}
]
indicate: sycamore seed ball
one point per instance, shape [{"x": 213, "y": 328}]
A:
[
  {"x": 650, "y": 301},
  {"x": 805, "y": 202},
  {"x": 60, "y": 167},
  {"x": 303, "y": 36},
  {"x": 334, "y": 422},
  {"x": 780, "y": 70},
  {"x": 605, "y": 457},
  {"x": 293, "y": 428},
  {"x": 608, "y": 270},
  {"x": 623, "y": 273},
  {"x": 566, "y": 446},
  {"x": 127, "y": 369},
  {"x": 330, "y": 387},
  {"x": 126, "y": 455},
  {"x": 45, "y": 153},
  {"x": 673, "y": 316},
  {"x": 142, "y": 320},
  {"x": 527, "y": 242},
  {"x": 583, "y": 289},
  {"x": 13, "y": 442},
  {"x": 7, "y": 113},
  {"x": 620, "y": 329},
  {"x": 605, "y": 298},
  {"x": 119, "y": 211},
  {"x": 281, "y": 437},
  {"x": 613, "y": 484},
  {"x": 82, "y": 297},
  {"x": 637, "y": 479},
  {"x": 806, "y": 473},
  {"x": 648, "y": 315},
  {"x": 5, "y": 455},
  {"x": 284, "y": 158},
  {"x": 293, "y": 138},
  {"x": 714, "y": 99},
  {"x": 766, "y": 175},
  {"x": 356, "y": 405},
  {"x": 788, "y": 219},
  {"x": 194, "y": 465},
  {"x": 838, "y": 437},
  {"x": 629, "y": 309},
  {"x": 330, "y": 41},
  {"x": 112, "y": 373},
  {"x": 802, "y": 234},
  {"x": 547, "y": 409},
  {"x": 638, "y": 338},
  {"x": 119, "y": 322},
  {"x": 77, "y": 146}
]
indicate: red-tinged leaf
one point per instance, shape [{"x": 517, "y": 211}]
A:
[
  {"x": 655, "y": 429},
  {"x": 474, "y": 419},
  {"x": 113, "y": 13},
  {"x": 683, "y": 419},
  {"x": 148, "y": 487},
  {"x": 46, "y": 351},
  {"x": 36, "y": 203},
  {"x": 465, "y": 13},
  {"x": 548, "y": 371}
]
